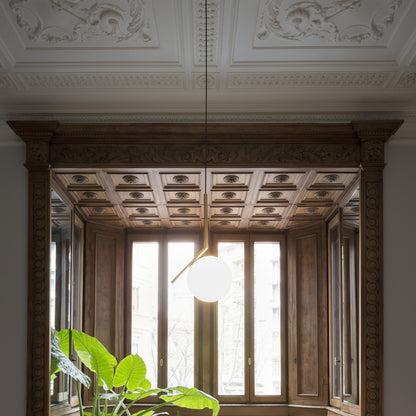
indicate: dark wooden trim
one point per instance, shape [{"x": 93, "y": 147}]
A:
[{"x": 71, "y": 145}]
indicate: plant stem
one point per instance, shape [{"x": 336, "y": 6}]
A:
[
  {"x": 96, "y": 407},
  {"x": 81, "y": 407}
]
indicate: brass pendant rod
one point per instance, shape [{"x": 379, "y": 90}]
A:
[{"x": 206, "y": 236}]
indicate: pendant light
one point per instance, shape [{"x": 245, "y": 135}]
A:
[{"x": 209, "y": 278}]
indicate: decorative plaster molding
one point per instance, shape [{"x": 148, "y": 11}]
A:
[
  {"x": 213, "y": 117},
  {"x": 83, "y": 20},
  {"x": 6, "y": 82},
  {"x": 199, "y": 81},
  {"x": 307, "y": 79},
  {"x": 102, "y": 80},
  {"x": 321, "y": 19},
  {"x": 407, "y": 80},
  {"x": 198, "y": 7}
]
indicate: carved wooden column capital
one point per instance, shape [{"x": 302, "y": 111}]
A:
[
  {"x": 37, "y": 135},
  {"x": 372, "y": 136}
]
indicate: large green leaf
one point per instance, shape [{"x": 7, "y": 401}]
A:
[
  {"x": 63, "y": 336},
  {"x": 192, "y": 398},
  {"x": 131, "y": 371},
  {"x": 142, "y": 394},
  {"x": 95, "y": 356},
  {"x": 60, "y": 361}
]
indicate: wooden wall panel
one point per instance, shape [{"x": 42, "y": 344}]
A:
[
  {"x": 104, "y": 314},
  {"x": 307, "y": 321},
  {"x": 307, "y": 297}
]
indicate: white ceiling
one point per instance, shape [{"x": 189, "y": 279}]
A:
[{"x": 269, "y": 60}]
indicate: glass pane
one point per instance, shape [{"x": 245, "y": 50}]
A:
[
  {"x": 60, "y": 284},
  {"x": 336, "y": 310},
  {"x": 144, "y": 322},
  {"x": 180, "y": 317},
  {"x": 349, "y": 317},
  {"x": 267, "y": 345},
  {"x": 231, "y": 323}
]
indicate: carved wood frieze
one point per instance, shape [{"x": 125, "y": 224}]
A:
[{"x": 262, "y": 154}]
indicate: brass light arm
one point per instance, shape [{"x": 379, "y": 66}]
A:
[{"x": 206, "y": 240}]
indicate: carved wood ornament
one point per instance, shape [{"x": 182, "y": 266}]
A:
[{"x": 57, "y": 145}]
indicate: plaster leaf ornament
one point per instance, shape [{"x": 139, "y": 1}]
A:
[
  {"x": 324, "y": 20},
  {"x": 82, "y": 20}
]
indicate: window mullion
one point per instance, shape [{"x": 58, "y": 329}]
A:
[
  {"x": 249, "y": 273},
  {"x": 163, "y": 313}
]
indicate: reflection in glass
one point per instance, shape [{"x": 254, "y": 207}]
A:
[
  {"x": 144, "y": 322},
  {"x": 180, "y": 317},
  {"x": 350, "y": 316},
  {"x": 231, "y": 323},
  {"x": 267, "y": 344},
  {"x": 60, "y": 284},
  {"x": 335, "y": 311}
]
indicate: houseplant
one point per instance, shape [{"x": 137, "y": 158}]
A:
[{"x": 118, "y": 386}]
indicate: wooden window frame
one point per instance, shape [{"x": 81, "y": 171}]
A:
[
  {"x": 51, "y": 144},
  {"x": 249, "y": 239},
  {"x": 163, "y": 238}
]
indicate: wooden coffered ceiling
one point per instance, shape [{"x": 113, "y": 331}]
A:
[{"x": 243, "y": 199}]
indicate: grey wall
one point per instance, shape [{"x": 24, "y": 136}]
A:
[
  {"x": 400, "y": 279},
  {"x": 13, "y": 271}
]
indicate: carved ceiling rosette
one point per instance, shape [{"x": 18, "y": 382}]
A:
[
  {"x": 83, "y": 20},
  {"x": 324, "y": 20}
]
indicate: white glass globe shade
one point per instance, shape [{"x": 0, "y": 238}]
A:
[{"x": 209, "y": 279}]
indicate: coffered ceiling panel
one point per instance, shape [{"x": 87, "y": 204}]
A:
[{"x": 255, "y": 199}]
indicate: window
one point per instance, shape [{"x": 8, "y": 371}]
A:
[
  {"x": 246, "y": 361},
  {"x": 249, "y": 320},
  {"x": 162, "y": 315}
]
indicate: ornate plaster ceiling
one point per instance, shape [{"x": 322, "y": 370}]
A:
[{"x": 268, "y": 59}]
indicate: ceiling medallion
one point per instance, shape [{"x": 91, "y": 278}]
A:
[
  {"x": 186, "y": 222},
  {"x": 281, "y": 178},
  {"x": 321, "y": 194},
  {"x": 147, "y": 222},
  {"x": 184, "y": 210},
  {"x": 226, "y": 210},
  {"x": 181, "y": 179},
  {"x": 263, "y": 223},
  {"x": 310, "y": 211},
  {"x": 231, "y": 179},
  {"x": 330, "y": 178},
  {"x": 136, "y": 195},
  {"x": 90, "y": 195},
  {"x": 131, "y": 179},
  {"x": 58, "y": 210},
  {"x": 355, "y": 209},
  {"x": 142, "y": 210},
  {"x": 275, "y": 194},
  {"x": 228, "y": 195},
  {"x": 268, "y": 210},
  {"x": 99, "y": 210},
  {"x": 80, "y": 179},
  {"x": 182, "y": 195},
  {"x": 225, "y": 223}
]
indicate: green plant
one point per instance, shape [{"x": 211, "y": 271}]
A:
[{"x": 118, "y": 386}]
